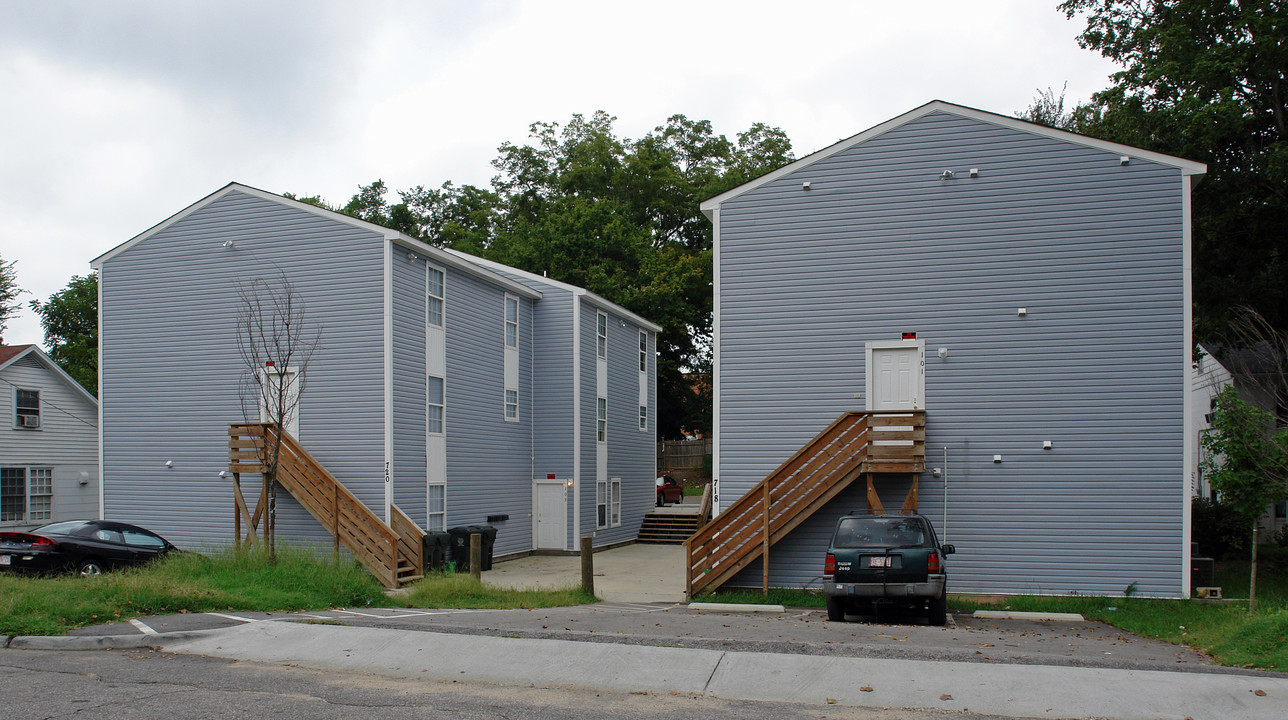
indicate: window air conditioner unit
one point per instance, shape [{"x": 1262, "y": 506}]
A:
[{"x": 30, "y": 421}]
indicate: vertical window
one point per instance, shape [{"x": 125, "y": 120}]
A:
[
  {"x": 437, "y": 520},
  {"x": 40, "y": 494},
  {"x": 27, "y": 408},
  {"x": 601, "y": 420},
  {"x": 511, "y": 321},
  {"x": 601, "y": 503},
  {"x": 13, "y": 494},
  {"x": 643, "y": 417},
  {"x": 643, "y": 351},
  {"x": 434, "y": 293},
  {"x": 616, "y": 509},
  {"x": 511, "y": 404},
  {"x": 435, "y": 406},
  {"x": 601, "y": 335}
]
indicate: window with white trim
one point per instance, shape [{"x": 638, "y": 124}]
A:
[
  {"x": 26, "y": 494},
  {"x": 511, "y": 321},
  {"x": 616, "y": 501},
  {"x": 437, "y": 510},
  {"x": 643, "y": 351},
  {"x": 512, "y": 405},
  {"x": 434, "y": 298},
  {"x": 601, "y": 420},
  {"x": 601, "y": 335},
  {"x": 601, "y": 503},
  {"x": 643, "y": 417},
  {"x": 435, "y": 405},
  {"x": 26, "y": 405}
]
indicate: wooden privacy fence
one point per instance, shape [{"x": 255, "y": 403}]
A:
[
  {"x": 856, "y": 444},
  {"x": 393, "y": 555},
  {"x": 682, "y": 454}
]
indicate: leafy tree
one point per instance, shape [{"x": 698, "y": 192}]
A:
[
  {"x": 1247, "y": 464},
  {"x": 9, "y": 292},
  {"x": 1205, "y": 80},
  {"x": 70, "y": 320}
]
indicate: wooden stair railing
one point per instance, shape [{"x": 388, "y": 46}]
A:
[
  {"x": 856, "y": 444},
  {"x": 393, "y": 555}
]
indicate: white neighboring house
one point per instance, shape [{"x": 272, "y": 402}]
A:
[{"x": 48, "y": 442}]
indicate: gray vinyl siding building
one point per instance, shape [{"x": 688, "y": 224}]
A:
[
  {"x": 1053, "y": 271},
  {"x": 427, "y": 392},
  {"x": 566, "y": 355},
  {"x": 48, "y": 466}
]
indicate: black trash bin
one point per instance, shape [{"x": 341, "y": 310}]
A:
[
  {"x": 458, "y": 547},
  {"x": 435, "y": 544},
  {"x": 488, "y": 541}
]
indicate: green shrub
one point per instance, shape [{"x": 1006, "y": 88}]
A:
[{"x": 1217, "y": 529}]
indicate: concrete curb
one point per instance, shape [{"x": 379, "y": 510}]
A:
[
  {"x": 735, "y": 607},
  {"x": 106, "y": 642},
  {"x": 1008, "y": 615}
]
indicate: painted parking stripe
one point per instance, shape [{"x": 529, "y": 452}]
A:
[
  {"x": 231, "y": 617},
  {"x": 142, "y": 627}
]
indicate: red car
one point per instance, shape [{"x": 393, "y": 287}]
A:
[{"x": 668, "y": 490}]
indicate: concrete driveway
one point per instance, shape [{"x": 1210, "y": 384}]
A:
[{"x": 630, "y": 574}]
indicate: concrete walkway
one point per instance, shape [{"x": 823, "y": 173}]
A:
[{"x": 632, "y": 573}]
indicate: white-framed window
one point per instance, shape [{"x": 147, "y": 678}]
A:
[
  {"x": 601, "y": 503},
  {"x": 601, "y": 335},
  {"x": 436, "y": 519},
  {"x": 26, "y": 494},
  {"x": 512, "y": 405},
  {"x": 643, "y": 417},
  {"x": 643, "y": 351},
  {"x": 434, "y": 297},
  {"x": 26, "y": 405},
  {"x": 615, "y": 510},
  {"x": 511, "y": 321},
  {"x": 601, "y": 420},
  {"x": 435, "y": 405}
]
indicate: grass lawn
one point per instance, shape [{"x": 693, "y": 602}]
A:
[
  {"x": 1224, "y": 630},
  {"x": 227, "y": 581}
]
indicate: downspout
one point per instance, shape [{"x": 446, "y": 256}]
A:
[{"x": 576, "y": 416}]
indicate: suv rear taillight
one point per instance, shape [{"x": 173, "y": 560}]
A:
[
  {"x": 932, "y": 563},
  {"x": 829, "y": 564}
]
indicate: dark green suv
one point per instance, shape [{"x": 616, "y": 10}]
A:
[{"x": 885, "y": 559}]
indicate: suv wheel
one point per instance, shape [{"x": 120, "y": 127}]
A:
[{"x": 835, "y": 609}]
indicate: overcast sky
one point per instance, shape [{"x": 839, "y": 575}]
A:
[{"x": 118, "y": 114}]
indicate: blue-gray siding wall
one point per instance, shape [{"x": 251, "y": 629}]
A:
[
  {"x": 880, "y": 245},
  {"x": 170, "y": 365},
  {"x": 552, "y": 391},
  {"x": 489, "y": 460},
  {"x": 632, "y": 455},
  {"x": 409, "y": 386}
]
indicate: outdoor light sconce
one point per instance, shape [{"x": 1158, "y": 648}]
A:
[
  {"x": 169, "y": 463},
  {"x": 228, "y": 244},
  {"x": 223, "y": 473},
  {"x": 943, "y": 353},
  {"x": 997, "y": 459},
  {"x": 413, "y": 256},
  {"x": 946, "y": 175}
]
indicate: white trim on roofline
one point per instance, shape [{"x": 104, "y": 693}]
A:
[
  {"x": 597, "y": 300},
  {"x": 49, "y": 362},
  {"x": 407, "y": 241},
  {"x": 1187, "y": 167}
]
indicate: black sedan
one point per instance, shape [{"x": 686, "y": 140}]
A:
[{"x": 87, "y": 547}]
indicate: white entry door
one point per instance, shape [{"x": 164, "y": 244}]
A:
[
  {"x": 552, "y": 516},
  {"x": 896, "y": 375}
]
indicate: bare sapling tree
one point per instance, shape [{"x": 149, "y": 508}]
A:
[
  {"x": 1247, "y": 450},
  {"x": 276, "y": 348}
]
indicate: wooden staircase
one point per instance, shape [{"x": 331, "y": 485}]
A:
[
  {"x": 668, "y": 528},
  {"x": 857, "y": 445},
  {"x": 393, "y": 553}
]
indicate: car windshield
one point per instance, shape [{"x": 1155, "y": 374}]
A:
[
  {"x": 881, "y": 532},
  {"x": 61, "y": 528}
]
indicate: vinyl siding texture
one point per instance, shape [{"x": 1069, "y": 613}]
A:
[
  {"x": 170, "y": 365},
  {"x": 489, "y": 460},
  {"x": 67, "y": 440},
  {"x": 879, "y": 245},
  {"x": 410, "y": 386}
]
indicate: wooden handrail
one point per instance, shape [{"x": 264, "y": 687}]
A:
[
  {"x": 379, "y": 547},
  {"x": 855, "y": 444}
]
